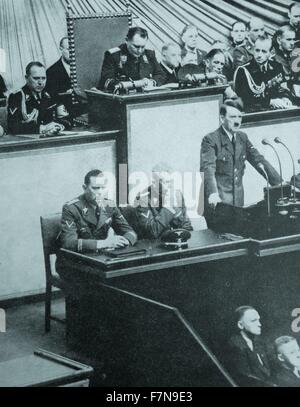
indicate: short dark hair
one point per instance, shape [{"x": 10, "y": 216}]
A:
[
  {"x": 238, "y": 22},
  {"x": 212, "y": 53},
  {"x": 231, "y": 103},
  {"x": 292, "y": 5},
  {"x": 31, "y": 65},
  {"x": 61, "y": 43},
  {"x": 137, "y": 30},
  {"x": 241, "y": 311},
  {"x": 89, "y": 175},
  {"x": 282, "y": 30}
]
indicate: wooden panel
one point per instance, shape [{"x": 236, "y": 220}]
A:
[{"x": 35, "y": 183}]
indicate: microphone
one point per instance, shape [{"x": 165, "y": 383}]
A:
[
  {"x": 278, "y": 141},
  {"x": 267, "y": 143},
  {"x": 261, "y": 166}
]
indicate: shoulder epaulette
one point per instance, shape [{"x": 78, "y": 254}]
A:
[
  {"x": 74, "y": 201},
  {"x": 114, "y": 50}
]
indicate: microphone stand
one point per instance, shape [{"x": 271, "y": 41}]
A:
[
  {"x": 278, "y": 141},
  {"x": 268, "y": 188},
  {"x": 281, "y": 202}
]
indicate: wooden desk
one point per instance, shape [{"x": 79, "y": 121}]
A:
[
  {"x": 136, "y": 312},
  {"x": 164, "y": 319}
]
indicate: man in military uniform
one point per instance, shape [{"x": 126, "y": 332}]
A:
[
  {"x": 259, "y": 83},
  {"x": 243, "y": 53},
  {"x": 238, "y": 49},
  {"x": 294, "y": 19},
  {"x": 91, "y": 223},
  {"x": 223, "y": 159},
  {"x": 287, "y": 54},
  {"x": 32, "y": 110},
  {"x": 157, "y": 209},
  {"x": 130, "y": 62}
]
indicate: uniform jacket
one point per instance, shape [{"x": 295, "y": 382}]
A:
[
  {"x": 241, "y": 54},
  {"x": 245, "y": 362},
  {"x": 119, "y": 62},
  {"x": 58, "y": 81},
  {"x": 286, "y": 378},
  {"x": 256, "y": 101},
  {"x": 24, "y": 102},
  {"x": 154, "y": 219},
  {"x": 224, "y": 167},
  {"x": 80, "y": 229}
]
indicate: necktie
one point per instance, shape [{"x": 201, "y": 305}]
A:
[{"x": 233, "y": 142}]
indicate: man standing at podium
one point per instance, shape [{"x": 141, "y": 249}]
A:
[
  {"x": 130, "y": 61},
  {"x": 223, "y": 159}
]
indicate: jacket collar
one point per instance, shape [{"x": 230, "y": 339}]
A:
[{"x": 89, "y": 212}]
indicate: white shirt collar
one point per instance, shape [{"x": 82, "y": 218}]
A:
[
  {"x": 248, "y": 341},
  {"x": 230, "y": 135},
  {"x": 66, "y": 66},
  {"x": 297, "y": 372},
  {"x": 170, "y": 70}
]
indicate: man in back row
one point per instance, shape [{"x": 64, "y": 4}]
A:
[
  {"x": 130, "y": 61},
  {"x": 32, "y": 109}
]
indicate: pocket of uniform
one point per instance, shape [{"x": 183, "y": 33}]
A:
[{"x": 222, "y": 164}]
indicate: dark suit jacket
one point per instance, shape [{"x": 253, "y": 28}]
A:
[
  {"x": 245, "y": 363},
  {"x": 224, "y": 168},
  {"x": 118, "y": 62},
  {"x": 58, "y": 81},
  {"x": 286, "y": 378},
  {"x": 169, "y": 77},
  {"x": 154, "y": 219}
]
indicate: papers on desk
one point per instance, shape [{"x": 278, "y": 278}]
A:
[{"x": 168, "y": 86}]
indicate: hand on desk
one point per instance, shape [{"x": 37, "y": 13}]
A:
[
  {"x": 51, "y": 129},
  {"x": 113, "y": 242}
]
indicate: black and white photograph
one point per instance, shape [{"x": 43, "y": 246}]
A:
[{"x": 150, "y": 196}]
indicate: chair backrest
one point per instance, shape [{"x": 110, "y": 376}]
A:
[{"x": 50, "y": 228}]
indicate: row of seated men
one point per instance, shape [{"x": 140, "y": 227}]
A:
[
  {"x": 264, "y": 72},
  {"x": 255, "y": 362},
  {"x": 264, "y": 69},
  {"x": 45, "y": 104}
]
